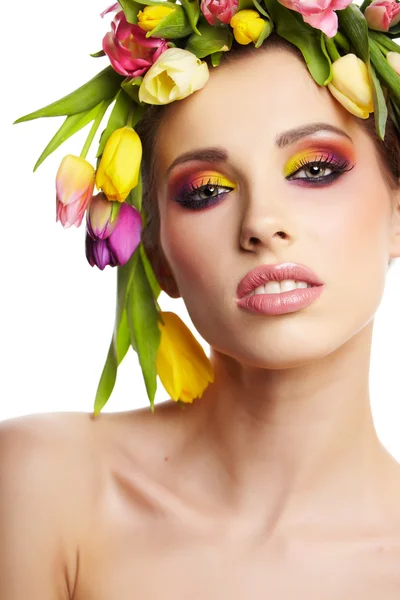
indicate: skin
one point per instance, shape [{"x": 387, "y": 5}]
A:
[{"x": 274, "y": 483}]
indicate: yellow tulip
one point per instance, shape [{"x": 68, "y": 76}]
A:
[
  {"x": 182, "y": 365},
  {"x": 247, "y": 26},
  {"x": 151, "y": 16},
  {"x": 175, "y": 74},
  {"x": 118, "y": 171},
  {"x": 350, "y": 85}
]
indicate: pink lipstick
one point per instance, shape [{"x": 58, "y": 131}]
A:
[{"x": 283, "y": 302}]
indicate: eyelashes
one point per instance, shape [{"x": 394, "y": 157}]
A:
[
  {"x": 204, "y": 191},
  {"x": 317, "y": 164},
  {"x": 319, "y": 169}
]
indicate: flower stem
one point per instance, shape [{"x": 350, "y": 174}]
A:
[
  {"x": 342, "y": 41},
  {"x": 331, "y": 48},
  {"x": 96, "y": 123},
  {"x": 129, "y": 121}
]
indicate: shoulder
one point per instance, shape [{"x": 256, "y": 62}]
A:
[{"x": 47, "y": 487}]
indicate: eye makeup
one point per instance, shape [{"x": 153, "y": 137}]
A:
[
  {"x": 203, "y": 189},
  {"x": 321, "y": 164}
]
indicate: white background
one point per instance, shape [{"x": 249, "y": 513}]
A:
[{"x": 57, "y": 312}]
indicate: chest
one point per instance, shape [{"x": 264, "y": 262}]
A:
[{"x": 167, "y": 562}]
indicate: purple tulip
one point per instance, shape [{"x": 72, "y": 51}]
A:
[
  {"x": 130, "y": 52},
  {"x": 119, "y": 245}
]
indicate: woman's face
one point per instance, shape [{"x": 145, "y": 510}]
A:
[{"x": 266, "y": 206}]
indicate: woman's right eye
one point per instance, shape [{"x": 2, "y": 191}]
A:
[{"x": 198, "y": 194}]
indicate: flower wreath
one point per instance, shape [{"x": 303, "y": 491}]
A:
[{"x": 156, "y": 51}]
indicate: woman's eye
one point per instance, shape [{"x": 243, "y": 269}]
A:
[
  {"x": 321, "y": 171},
  {"x": 200, "y": 196},
  {"x": 313, "y": 171}
]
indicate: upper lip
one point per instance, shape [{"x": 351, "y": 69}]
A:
[{"x": 277, "y": 272}]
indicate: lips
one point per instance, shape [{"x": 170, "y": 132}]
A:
[{"x": 277, "y": 272}]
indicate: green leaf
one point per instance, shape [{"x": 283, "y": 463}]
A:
[
  {"x": 325, "y": 51},
  {"x": 291, "y": 27},
  {"x": 384, "y": 70},
  {"x": 380, "y": 107},
  {"x": 125, "y": 274},
  {"x": 135, "y": 195},
  {"x": 216, "y": 58},
  {"x": 143, "y": 318},
  {"x": 354, "y": 25},
  {"x": 117, "y": 350},
  {"x": 175, "y": 25},
  {"x": 266, "y": 31},
  {"x": 103, "y": 86},
  {"x": 156, "y": 289},
  {"x": 131, "y": 87},
  {"x": 260, "y": 9},
  {"x": 192, "y": 9},
  {"x": 384, "y": 41},
  {"x": 117, "y": 119},
  {"x": 71, "y": 125},
  {"x": 98, "y": 54},
  {"x": 131, "y": 10},
  {"x": 211, "y": 39}
]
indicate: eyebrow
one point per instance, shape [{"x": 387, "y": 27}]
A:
[{"x": 286, "y": 138}]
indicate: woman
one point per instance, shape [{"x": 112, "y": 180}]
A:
[{"x": 274, "y": 482}]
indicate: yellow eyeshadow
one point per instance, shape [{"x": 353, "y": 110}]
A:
[
  {"x": 215, "y": 179},
  {"x": 298, "y": 159}
]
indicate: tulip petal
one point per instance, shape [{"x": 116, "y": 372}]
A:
[
  {"x": 125, "y": 238},
  {"x": 182, "y": 365}
]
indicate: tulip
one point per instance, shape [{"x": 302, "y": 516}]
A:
[
  {"x": 121, "y": 243},
  {"x": 350, "y": 85},
  {"x": 320, "y": 14},
  {"x": 175, "y": 74},
  {"x": 247, "y": 26},
  {"x": 118, "y": 171},
  {"x": 74, "y": 189},
  {"x": 382, "y": 14},
  {"x": 219, "y": 11},
  {"x": 393, "y": 59},
  {"x": 112, "y": 8},
  {"x": 182, "y": 365},
  {"x": 151, "y": 16},
  {"x": 98, "y": 217},
  {"x": 129, "y": 51}
]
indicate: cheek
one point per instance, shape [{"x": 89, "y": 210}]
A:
[{"x": 192, "y": 243}]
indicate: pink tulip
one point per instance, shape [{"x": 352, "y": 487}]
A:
[
  {"x": 130, "y": 52},
  {"x": 74, "y": 187},
  {"x": 112, "y": 8},
  {"x": 118, "y": 247},
  {"x": 318, "y": 13},
  {"x": 382, "y": 14},
  {"x": 219, "y": 11}
]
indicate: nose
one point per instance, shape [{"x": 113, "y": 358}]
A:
[{"x": 266, "y": 223}]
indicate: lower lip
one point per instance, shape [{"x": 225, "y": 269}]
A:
[{"x": 279, "y": 304}]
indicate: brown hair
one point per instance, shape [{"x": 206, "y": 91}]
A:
[{"x": 388, "y": 151}]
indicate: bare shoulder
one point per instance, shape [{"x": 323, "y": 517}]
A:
[{"x": 47, "y": 487}]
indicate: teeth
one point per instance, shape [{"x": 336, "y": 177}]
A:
[{"x": 276, "y": 287}]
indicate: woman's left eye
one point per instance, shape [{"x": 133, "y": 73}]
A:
[{"x": 320, "y": 171}]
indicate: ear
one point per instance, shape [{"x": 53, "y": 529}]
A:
[
  {"x": 163, "y": 271},
  {"x": 395, "y": 228}
]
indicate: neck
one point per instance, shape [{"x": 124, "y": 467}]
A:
[{"x": 276, "y": 442}]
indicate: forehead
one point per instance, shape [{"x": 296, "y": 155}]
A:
[{"x": 246, "y": 103}]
